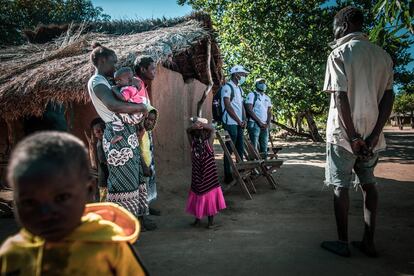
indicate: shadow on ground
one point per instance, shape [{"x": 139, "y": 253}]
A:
[{"x": 279, "y": 231}]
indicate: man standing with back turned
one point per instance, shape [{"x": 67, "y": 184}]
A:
[{"x": 359, "y": 76}]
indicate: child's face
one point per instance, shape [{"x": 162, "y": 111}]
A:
[
  {"x": 51, "y": 206},
  {"x": 125, "y": 79},
  {"x": 150, "y": 121},
  {"x": 98, "y": 131}
]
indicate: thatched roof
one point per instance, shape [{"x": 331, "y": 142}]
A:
[{"x": 32, "y": 75}]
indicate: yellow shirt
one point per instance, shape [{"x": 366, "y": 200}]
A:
[
  {"x": 101, "y": 245},
  {"x": 144, "y": 145}
]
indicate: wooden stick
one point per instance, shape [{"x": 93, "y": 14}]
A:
[{"x": 210, "y": 80}]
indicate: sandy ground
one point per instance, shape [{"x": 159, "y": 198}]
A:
[{"x": 279, "y": 232}]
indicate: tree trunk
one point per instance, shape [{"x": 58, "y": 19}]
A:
[
  {"x": 292, "y": 130},
  {"x": 210, "y": 81},
  {"x": 299, "y": 122},
  {"x": 313, "y": 129},
  {"x": 289, "y": 119},
  {"x": 412, "y": 119},
  {"x": 291, "y": 124},
  {"x": 400, "y": 123}
]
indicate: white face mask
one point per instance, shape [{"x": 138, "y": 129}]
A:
[
  {"x": 242, "y": 80},
  {"x": 261, "y": 87}
]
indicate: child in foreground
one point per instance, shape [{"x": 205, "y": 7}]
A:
[
  {"x": 205, "y": 197},
  {"x": 61, "y": 234}
]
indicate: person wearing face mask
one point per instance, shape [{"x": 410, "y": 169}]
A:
[
  {"x": 259, "y": 109},
  {"x": 234, "y": 115}
]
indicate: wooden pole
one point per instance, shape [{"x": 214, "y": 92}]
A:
[{"x": 210, "y": 80}]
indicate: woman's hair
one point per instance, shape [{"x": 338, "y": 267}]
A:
[
  {"x": 100, "y": 51},
  {"x": 98, "y": 121},
  {"x": 142, "y": 62}
]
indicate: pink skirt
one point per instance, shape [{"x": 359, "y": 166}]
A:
[{"x": 208, "y": 204}]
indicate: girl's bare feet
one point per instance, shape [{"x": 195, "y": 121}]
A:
[
  {"x": 210, "y": 224},
  {"x": 196, "y": 222}
]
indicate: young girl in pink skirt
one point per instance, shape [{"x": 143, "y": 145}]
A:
[{"x": 205, "y": 197}]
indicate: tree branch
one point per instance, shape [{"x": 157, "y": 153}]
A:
[
  {"x": 292, "y": 130},
  {"x": 210, "y": 80}
]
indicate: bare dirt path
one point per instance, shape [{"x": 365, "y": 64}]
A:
[{"x": 279, "y": 232}]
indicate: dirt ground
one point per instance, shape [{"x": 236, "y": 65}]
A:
[{"x": 279, "y": 231}]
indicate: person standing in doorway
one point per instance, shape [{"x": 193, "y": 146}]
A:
[
  {"x": 234, "y": 115},
  {"x": 359, "y": 77},
  {"x": 259, "y": 109}
]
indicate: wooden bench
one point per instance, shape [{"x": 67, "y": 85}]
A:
[
  {"x": 273, "y": 150},
  {"x": 267, "y": 166},
  {"x": 242, "y": 170}
]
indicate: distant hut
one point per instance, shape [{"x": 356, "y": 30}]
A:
[
  {"x": 398, "y": 119},
  {"x": 40, "y": 84}
]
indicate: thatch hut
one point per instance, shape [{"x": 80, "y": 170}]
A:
[{"x": 39, "y": 80}]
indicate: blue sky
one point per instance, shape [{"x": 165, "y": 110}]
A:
[{"x": 142, "y": 9}]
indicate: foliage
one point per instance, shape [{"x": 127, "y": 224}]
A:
[
  {"x": 398, "y": 13},
  {"x": 17, "y": 15},
  {"x": 404, "y": 102},
  {"x": 388, "y": 23},
  {"x": 287, "y": 43}
]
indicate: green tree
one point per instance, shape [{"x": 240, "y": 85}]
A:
[
  {"x": 388, "y": 24},
  {"x": 18, "y": 15},
  {"x": 287, "y": 43},
  {"x": 404, "y": 103},
  {"x": 395, "y": 14},
  {"x": 394, "y": 29}
]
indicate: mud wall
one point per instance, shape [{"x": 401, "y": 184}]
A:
[
  {"x": 79, "y": 117},
  {"x": 176, "y": 102}
]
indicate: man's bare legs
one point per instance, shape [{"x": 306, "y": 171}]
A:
[
  {"x": 370, "y": 194},
  {"x": 341, "y": 207}
]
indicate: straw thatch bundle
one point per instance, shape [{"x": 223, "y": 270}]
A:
[{"x": 33, "y": 75}]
